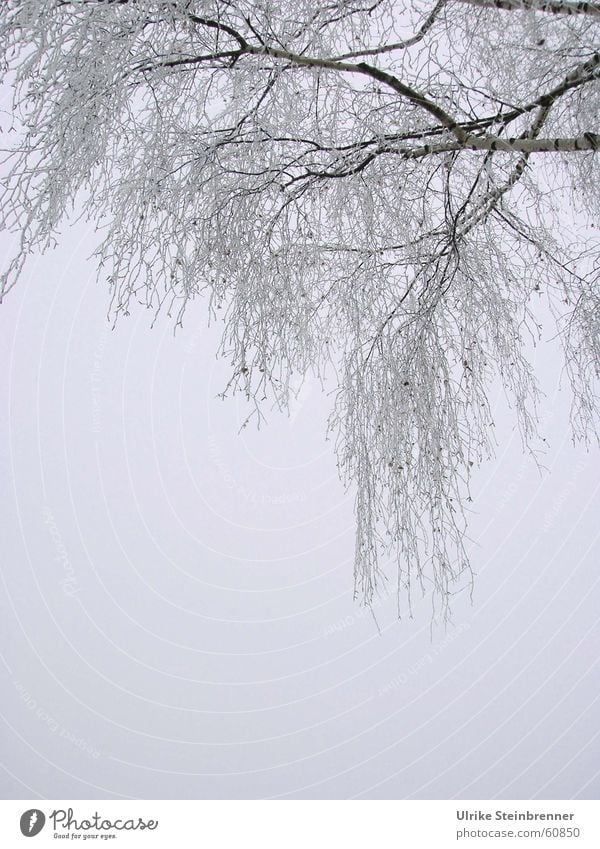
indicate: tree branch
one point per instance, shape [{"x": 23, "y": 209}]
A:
[
  {"x": 587, "y": 141},
  {"x": 411, "y": 94},
  {"x": 555, "y": 7},
  {"x": 401, "y": 45}
]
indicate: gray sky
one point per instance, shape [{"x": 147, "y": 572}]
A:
[{"x": 176, "y": 600}]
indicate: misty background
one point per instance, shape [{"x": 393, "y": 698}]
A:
[{"x": 176, "y": 604}]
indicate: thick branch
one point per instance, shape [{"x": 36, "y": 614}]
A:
[
  {"x": 401, "y": 88},
  {"x": 301, "y": 60},
  {"x": 588, "y": 141},
  {"x": 555, "y": 7}
]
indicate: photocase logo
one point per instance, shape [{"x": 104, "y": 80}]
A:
[{"x": 32, "y": 822}]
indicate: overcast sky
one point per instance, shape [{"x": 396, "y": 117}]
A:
[{"x": 176, "y": 603}]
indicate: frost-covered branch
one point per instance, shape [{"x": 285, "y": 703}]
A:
[
  {"x": 374, "y": 192},
  {"x": 554, "y": 7}
]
